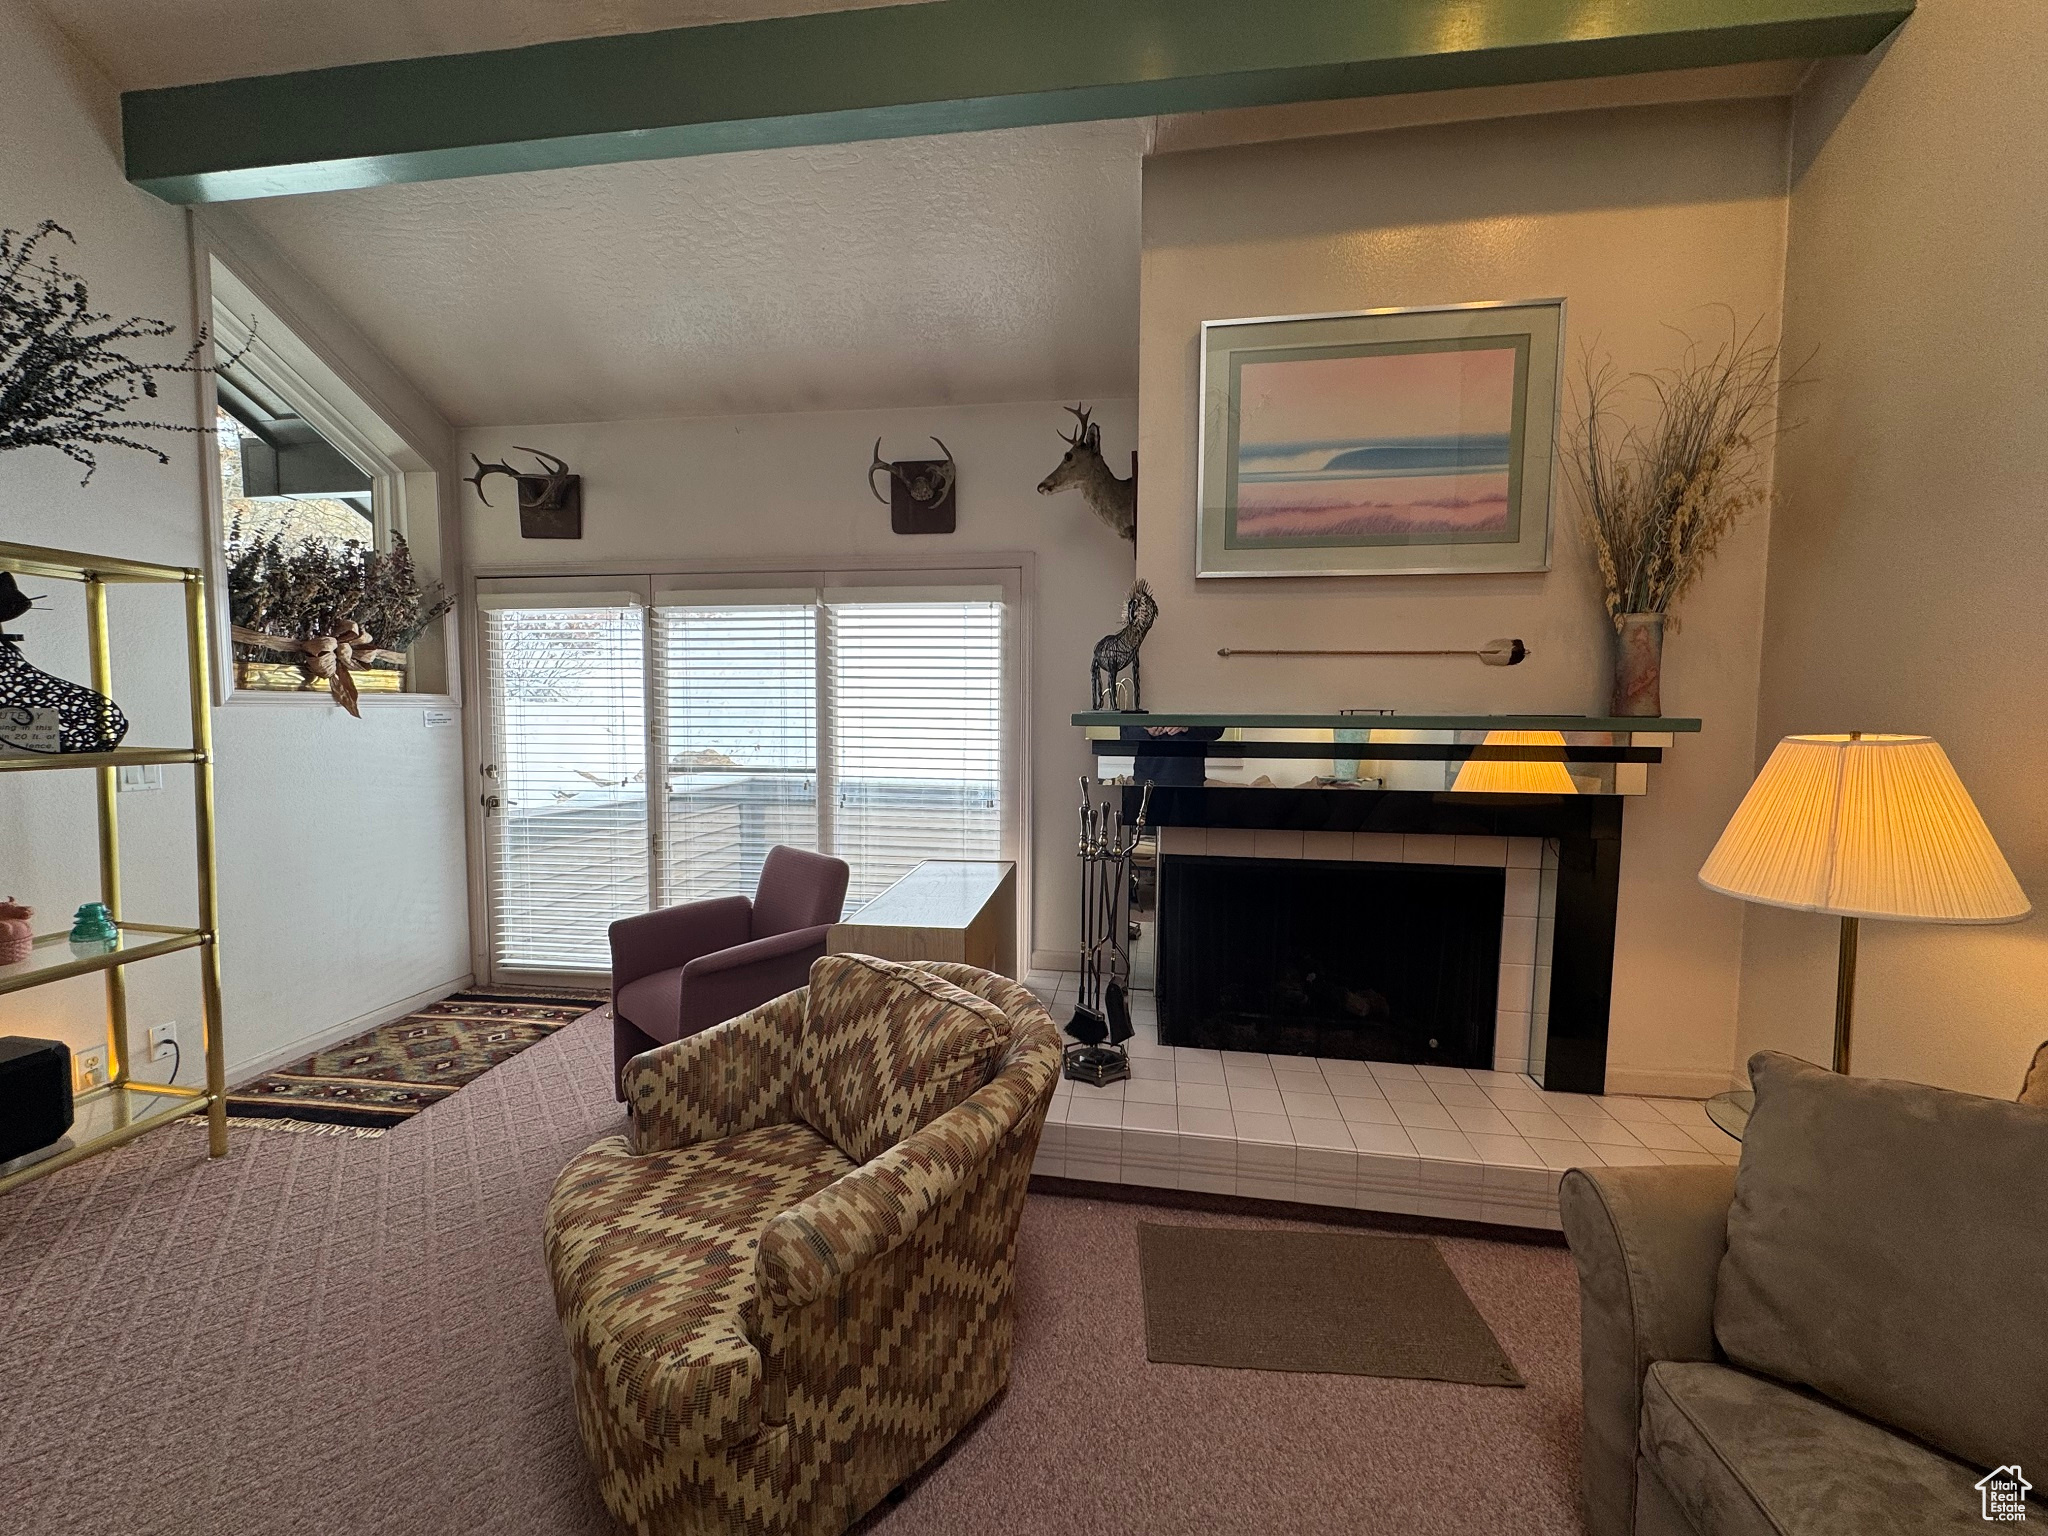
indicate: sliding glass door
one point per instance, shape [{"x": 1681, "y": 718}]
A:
[
  {"x": 916, "y": 732},
  {"x": 736, "y": 689},
  {"x": 872, "y": 721},
  {"x": 566, "y": 782}
]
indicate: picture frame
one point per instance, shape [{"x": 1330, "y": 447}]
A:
[{"x": 1379, "y": 442}]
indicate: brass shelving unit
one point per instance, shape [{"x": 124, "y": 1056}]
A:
[{"x": 122, "y": 1109}]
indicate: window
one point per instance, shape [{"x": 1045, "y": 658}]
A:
[
  {"x": 869, "y": 722},
  {"x": 310, "y": 519}
]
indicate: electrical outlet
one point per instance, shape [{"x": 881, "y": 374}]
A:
[
  {"x": 90, "y": 1067},
  {"x": 163, "y": 1041}
]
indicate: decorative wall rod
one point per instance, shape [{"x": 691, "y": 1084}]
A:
[{"x": 1495, "y": 653}]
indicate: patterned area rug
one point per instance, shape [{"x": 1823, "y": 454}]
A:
[{"x": 386, "y": 1075}]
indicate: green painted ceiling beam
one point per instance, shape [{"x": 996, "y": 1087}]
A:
[{"x": 943, "y": 67}]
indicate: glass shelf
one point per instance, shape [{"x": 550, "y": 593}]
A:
[
  {"x": 69, "y": 565},
  {"x": 110, "y": 1116},
  {"x": 103, "y": 1118},
  {"x": 52, "y": 960},
  {"x": 120, "y": 757}
]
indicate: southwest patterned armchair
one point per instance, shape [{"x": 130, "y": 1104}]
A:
[{"x": 789, "y": 1286}]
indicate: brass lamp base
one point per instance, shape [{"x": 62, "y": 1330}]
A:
[{"x": 1845, "y": 993}]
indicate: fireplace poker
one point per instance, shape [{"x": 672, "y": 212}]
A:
[{"x": 1088, "y": 1025}]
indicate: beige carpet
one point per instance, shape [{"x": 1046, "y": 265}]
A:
[{"x": 353, "y": 1337}]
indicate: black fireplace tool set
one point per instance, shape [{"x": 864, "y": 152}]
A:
[{"x": 1102, "y": 1019}]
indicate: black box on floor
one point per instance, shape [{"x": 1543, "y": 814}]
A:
[{"x": 35, "y": 1094}]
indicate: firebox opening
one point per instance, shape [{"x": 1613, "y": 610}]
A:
[{"x": 1379, "y": 962}]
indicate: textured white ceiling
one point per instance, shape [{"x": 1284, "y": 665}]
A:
[
  {"x": 959, "y": 269},
  {"x": 141, "y": 43}
]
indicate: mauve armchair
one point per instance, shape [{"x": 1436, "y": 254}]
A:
[{"x": 685, "y": 968}]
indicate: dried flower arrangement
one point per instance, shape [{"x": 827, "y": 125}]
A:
[
  {"x": 1656, "y": 501},
  {"x": 64, "y": 382},
  {"x": 336, "y": 609}
]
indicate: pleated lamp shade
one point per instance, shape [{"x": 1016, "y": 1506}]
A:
[
  {"x": 1496, "y": 776},
  {"x": 1865, "y": 826}
]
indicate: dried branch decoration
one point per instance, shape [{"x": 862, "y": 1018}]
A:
[
  {"x": 1656, "y": 502},
  {"x": 64, "y": 381},
  {"x": 332, "y": 610}
]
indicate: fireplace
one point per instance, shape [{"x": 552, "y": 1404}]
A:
[
  {"x": 1556, "y": 931},
  {"x": 1378, "y": 787},
  {"x": 1374, "y": 961}
]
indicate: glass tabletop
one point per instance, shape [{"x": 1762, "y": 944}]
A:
[{"x": 1730, "y": 1111}]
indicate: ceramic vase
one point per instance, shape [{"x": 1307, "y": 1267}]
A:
[
  {"x": 16, "y": 936},
  {"x": 1638, "y": 666}
]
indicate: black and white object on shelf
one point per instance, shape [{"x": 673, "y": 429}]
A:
[{"x": 42, "y": 714}]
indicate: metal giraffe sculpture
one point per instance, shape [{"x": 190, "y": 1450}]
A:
[{"x": 1118, "y": 653}]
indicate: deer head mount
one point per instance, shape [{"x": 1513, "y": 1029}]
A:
[
  {"x": 1114, "y": 501},
  {"x": 920, "y": 498},
  {"x": 550, "y": 501}
]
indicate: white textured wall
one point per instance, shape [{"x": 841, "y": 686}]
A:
[
  {"x": 1909, "y": 564},
  {"x": 950, "y": 269},
  {"x": 790, "y": 487},
  {"x": 341, "y": 844},
  {"x": 1640, "y": 219}
]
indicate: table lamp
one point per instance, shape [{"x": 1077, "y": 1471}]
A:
[
  {"x": 1863, "y": 826},
  {"x": 1507, "y": 776}
]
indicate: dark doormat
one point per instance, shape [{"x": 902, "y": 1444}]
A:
[{"x": 1352, "y": 1303}]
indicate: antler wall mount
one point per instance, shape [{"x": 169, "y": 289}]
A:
[
  {"x": 550, "y": 501},
  {"x": 921, "y": 491}
]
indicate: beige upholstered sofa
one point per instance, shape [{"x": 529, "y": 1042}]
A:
[
  {"x": 789, "y": 1285},
  {"x": 1846, "y": 1334}
]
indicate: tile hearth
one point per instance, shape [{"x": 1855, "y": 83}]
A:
[{"x": 1379, "y": 1136}]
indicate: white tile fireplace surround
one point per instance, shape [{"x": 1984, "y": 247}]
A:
[
  {"x": 1377, "y": 1136},
  {"x": 1528, "y": 914}
]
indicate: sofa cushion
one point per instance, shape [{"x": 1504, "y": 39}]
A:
[
  {"x": 1742, "y": 1456},
  {"x": 889, "y": 1048},
  {"x": 1888, "y": 1247},
  {"x": 652, "y": 1258}
]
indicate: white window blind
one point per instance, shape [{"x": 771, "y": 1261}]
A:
[
  {"x": 916, "y": 732},
  {"x": 864, "y": 721},
  {"x": 738, "y": 690},
  {"x": 568, "y": 836}
]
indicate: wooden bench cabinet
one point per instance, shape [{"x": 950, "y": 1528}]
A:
[{"x": 944, "y": 909}]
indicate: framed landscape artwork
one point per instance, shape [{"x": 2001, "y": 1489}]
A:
[{"x": 1386, "y": 442}]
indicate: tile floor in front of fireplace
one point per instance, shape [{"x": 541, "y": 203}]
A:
[{"x": 1426, "y": 1141}]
